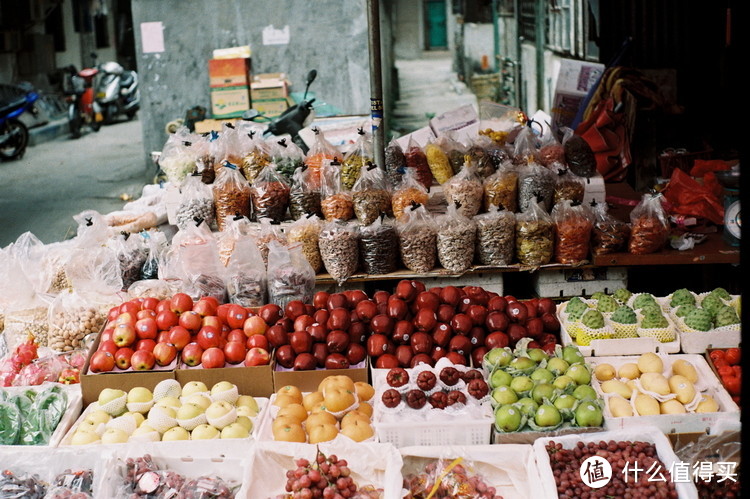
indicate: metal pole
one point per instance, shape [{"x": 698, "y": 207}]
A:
[
  {"x": 540, "y": 33},
  {"x": 376, "y": 82}
]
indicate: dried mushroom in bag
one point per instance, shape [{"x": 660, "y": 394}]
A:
[
  {"x": 378, "y": 247},
  {"x": 567, "y": 185},
  {"x": 270, "y": 194},
  {"x": 395, "y": 163},
  {"x": 456, "y": 237},
  {"x": 304, "y": 198},
  {"x": 496, "y": 234},
  {"x": 196, "y": 200},
  {"x": 535, "y": 181},
  {"x": 246, "y": 274},
  {"x": 417, "y": 239},
  {"x": 438, "y": 162},
  {"x": 356, "y": 160},
  {"x": 415, "y": 158},
  {"x": 339, "y": 249},
  {"x": 501, "y": 188},
  {"x": 407, "y": 192},
  {"x": 465, "y": 188},
  {"x": 535, "y": 236},
  {"x": 609, "y": 235},
  {"x": 306, "y": 231},
  {"x": 231, "y": 194},
  {"x": 336, "y": 202},
  {"x": 649, "y": 226},
  {"x": 288, "y": 157},
  {"x": 370, "y": 195},
  {"x": 290, "y": 276},
  {"x": 573, "y": 224}
]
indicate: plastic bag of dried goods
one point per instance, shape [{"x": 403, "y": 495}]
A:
[
  {"x": 269, "y": 231},
  {"x": 501, "y": 188},
  {"x": 417, "y": 239},
  {"x": 550, "y": 152},
  {"x": 567, "y": 185},
  {"x": 196, "y": 200},
  {"x": 573, "y": 225},
  {"x": 535, "y": 236},
  {"x": 156, "y": 244},
  {"x": 378, "y": 247},
  {"x": 245, "y": 275},
  {"x": 395, "y": 163},
  {"x": 456, "y": 237},
  {"x": 304, "y": 197},
  {"x": 535, "y": 183},
  {"x": 335, "y": 201},
  {"x": 438, "y": 162},
  {"x": 339, "y": 249},
  {"x": 257, "y": 157},
  {"x": 270, "y": 194},
  {"x": 454, "y": 149},
  {"x": 306, "y": 231},
  {"x": 578, "y": 155},
  {"x": 288, "y": 157},
  {"x": 525, "y": 146},
  {"x": 370, "y": 196},
  {"x": 235, "y": 228},
  {"x": 466, "y": 189},
  {"x": 649, "y": 226},
  {"x": 319, "y": 154},
  {"x": 231, "y": 194},
  {"x": 290, "y": 276},
  {"x": 609, "y": 235},
  {"x": 197, "y": 261},
  {"x": 177, "y": 160},
  {"x": 478, "y": 155},
  {"x": 131, "y": 251},
  {"x": 407, "y": 192},
  {"x": 415, "y": 158},
  {"x": 356, "y": 160},
  {"x": 496, "y": 235}
]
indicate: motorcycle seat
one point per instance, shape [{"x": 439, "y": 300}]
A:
[
  {"x": 127, "y": 79},
  {"x": 8, "y": 106}
]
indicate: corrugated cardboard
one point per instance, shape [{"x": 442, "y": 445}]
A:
[
  {"x": 271, "y": 108},
  {"x": 308, "y": 381},
  {"x": 229, "y": 102},
  {"x": 256, "y": 381},
  {"x": 269, "y": 86},
  {"x": 210, "y": 125},
  {"x": 229, "y": 72}
]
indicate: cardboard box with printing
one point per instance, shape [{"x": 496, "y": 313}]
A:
[
  {"x": 229, "y": 72},
  {"x": 269, "y": 86},
  {"x": 229, "y": 102}
]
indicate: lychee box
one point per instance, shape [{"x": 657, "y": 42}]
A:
[
  {"x": 708, "y": 384},
  {"x": 250, "y": 380},
  {"x": 308, "y": 381}
]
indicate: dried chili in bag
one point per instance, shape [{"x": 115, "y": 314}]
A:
[
  {"x": 304, "y": 198},
  {"x": 320, "y": 153},
  {"x": 356, "y": 160},
  {"x": 335, "y": 202},
  {"x": 231, "y": 194},
  {"x": 417, "y": 239},
  {"x": 567, "y": 185},
  {"x": 535, "y": 236},
  {"x": 466, "y": 189},
  {"x": 501, "y": 188},
  {"x": 551, "y": 151},
  {"x": 370, "y": 195},
  {"x": 395, "y": 163},
  {"x": 456, "y": 237},
  {"x": 573, "y": 225},
  {"x": 407, "y": 192},
  {"x": 609, "y": 234},
  {"x": 649, "y": 226},
  {"x": 270, "y": 194},
  {"x": 415, "y": 158}
]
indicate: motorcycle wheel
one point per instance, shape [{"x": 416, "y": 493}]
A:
[
  {"x": 16, "y": 146},
  {"x": 131, "y": 115},
  {"x": 75, "y": 122},
  {"x": 109, "y": 115},
  {"x": 96, "y": 125}
]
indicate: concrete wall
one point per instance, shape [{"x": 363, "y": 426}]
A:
[
  {"x": 72, "y": 53},
  {"x": 329, "y": 35},
  {"x": 478, "y": 41},
  {"x": 408, "y": 29},
  {"x": 529, "y": 76}
]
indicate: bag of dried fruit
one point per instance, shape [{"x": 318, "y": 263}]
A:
[
  {"x": 335, "y": 201},
  {"x": 477, "y": 153},
  {"x": 417, "y": 239},
  {"x": 245, "y": 275},
  {"x": 573, "y": 224},
  {"x": 415, "y": 158},
  {"x": 496, "y": 234},
  {"x": 320, "y": 153},
  {"x": 465, "y": 188},
  {"x": 456, "y": 238},
  {"x": 535, "y": 236},
  {"x": 501, "y": 188},
  {"x": 288, "y": 157},
  {"x": 454, "y": 149},
  {"x": 257, "y": 157},
  {"x": 370, "y": 195},
  {"x": 306, "y": 231},
  {"x": 304, "y": 198},
  {"x": 231, "y": 194},
  {"x": 609, "y": 235},
  {"x": 407, "y": 192},
  {"x": 339, "y": 249},
  {"x": 290, "y": 276},
  {"x": 438, "y": 162},
  {"x": 270, "y": 194},
  {"x": 196, "y": 258},
  {"x": 269, "y": 231},
  {"x": 196, "y": 200},
  {"x": 535, "y": 183},
  {"x": 567, "y": 185},
  {"x": 395, "y": 163},
  {"x": 649, "y": 226},
  {"x": 177, "y": 160},
  {"x": 378, "y": 246},
  {"x": 356, "y": 159},
  {"x": 550, "y": 152}
]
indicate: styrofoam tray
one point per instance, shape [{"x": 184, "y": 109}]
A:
[
  {"x": 510, "y": 468},
  {"x": 75, "y": 403},
  {"x": 699, "y": 342},
  {"x": 685, "y": 490},
  {"x": 708, "y": 384}
]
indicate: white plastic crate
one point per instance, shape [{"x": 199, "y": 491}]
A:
[
  {"x": 699, "y": 342},
  {"x": 490, "y": 281},
  {"x": 464, "y": 432},
  {"x": 562, "y": 283}
]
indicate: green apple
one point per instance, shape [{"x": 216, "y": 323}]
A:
[
  {"x": 579, "y": 373},
  {"x": 114, "y": 436},
  {"x": 84, "y": 437},
  {"x": 235, "y": 430},
  {"x": 583, "y": 392},
  {"x": 189, "y": 411},
  {"x": 542, "y": 375},
  {"x": 500, "y": 378},
  {"x": 504, "y": 395},
  {"x": 192, "y": 387},
  {"x": 199, "y": 400},
  {"x": 508, "y": 418},
  {"x": 140, "y": 395},
  {"x": 98, "y": 417},
  {"x": 245, "y": 421},
  {"x": 499, "y": 357},
  {"x": 175, "y": 433},
  {"x": 173, "y": 402},
  {"x": 565, "y": 401},
  {"x": 204, "y": 432},
  {"x": 542, "y": 391},
  {"x": 248, "y": 401},
  {"x": 563, "y": 382},
  {"x": 109, "y": 394},
  {"x": 521, "y": 384}
]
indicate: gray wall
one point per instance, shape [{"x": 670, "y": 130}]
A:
[{"x": 329, "y": 35}]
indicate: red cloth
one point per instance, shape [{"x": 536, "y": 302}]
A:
[
  {"x": 703, "y": 166},
  {"x": 688, "y": 197}
]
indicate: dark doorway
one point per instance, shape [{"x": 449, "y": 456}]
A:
[{"x": 437, "y": 31}]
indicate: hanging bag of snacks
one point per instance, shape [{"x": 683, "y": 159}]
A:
[
  {"x": 478, "y": 156},
  {"x": 197, "y": 261},
  {"x": 496, "y": 234},
  {"x": 456, "y": 239},
  {"x": 288, "y": 157},
  {"x": 304, "y": 197},
  {"x": 454, "y": 150},
  {"x": 339, "y": 249},
  {"x": 370, "y": 195},
  {"x": 336, "y": 203},
  {"x": 231, "y": 194},
  {"x": 269, "y": 231},
  {"x": 416, "y": 159},
  {"x": 306, "y": 231},
  {"x": 378, "y": 247},
  {"x": 196, "y": 200},
  {"x": 246, "y": 273},
  {"x": 649, "y": 226},
  {"x": 257, "y": 157},
  {"x": 417, "y": 239},
  {"x": 407, "y": 192},
  {"x": 501, "y": 188},
  {"x": 438, "y": 161},
  {"x": 573, "y": 225},
  {"x": 609, "y": 235},
  {"x": 270, "y": 194},
  {"x": 567, "y": 185},
  {"x": 535, "y": 236},
  {"x": 395, "y": 163},
  {"x": 321, "y": 152},
  {"x": 290, "y": 276},
  {"x": 466, "y": 190},
  {"x": 356, "y": 160},
  {"x": 535, "y": 181}
]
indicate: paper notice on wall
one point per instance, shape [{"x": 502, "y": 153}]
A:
[
  {"x": 152, "y": 37},
  {"x": 273, "y": 36},
  {"x": 573, "y": 84}
]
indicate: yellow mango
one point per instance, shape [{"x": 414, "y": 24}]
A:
[
  {"x": 650, "y": 363},
  {"x": 655, "y": 382},
  {"x": 685, "y": 368},
  {"x": 619, "y": 407},
  {"x": 629, "y": 371},
  {"x": 618, "y": 387},
  {"x": 604, "y": 372},
  {"x": 672, "y": 406},
  {"x": 646, "y": 405},
  {"x": 683, "y": 388},
  {"x": 707, "y": 404}
]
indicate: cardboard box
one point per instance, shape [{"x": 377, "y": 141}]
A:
[
  {"x": 210, "y": 126},
  {"x": 229, "y": 72},
  {"x": 269, "y": 86},
  {"x": 256, "y": 381},
  {"x": 271, "y": 108},
  {"x": 229, "y": 102},
  {"x": 308, "y": 381}
]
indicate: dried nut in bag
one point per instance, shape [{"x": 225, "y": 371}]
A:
[
  {"x": 403, "y": 198},
  {"x": 465, "y": 189},
  {"x": 438, "y": 162},
  {"x": 501, "y": 189},
  {"x": 378, "y": 248},
  {"x": 247, "y": 289},
  {"x": 534, "y": 182},
  {"x": 20, "y": 323},
  {"x": 68, "y": 327},
  {"x": 191, "y": 209},
  {"x": 417, "y": 239},
  {"x": 609, "y": 235},
  {"x": 338, "y": 206},
  {"x": 573, "y": 229},
  {"x": 368, "y": 204},
  {"x": 535, "y": 236},
  {"x": 568, "y": 186},
  {"x": 339, "y": 250},
  {"x": 496, "y": 234},
  {"x": 456, "y": 238},
  {"x": 306, "y": 232}
]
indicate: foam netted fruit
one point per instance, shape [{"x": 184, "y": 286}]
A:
[
  {"x": 650, "y": 308},
  {"x": 575, "y": 304},
  {"x": 712, "y": 303},
  {"x": 699, "y": 319},
  {"x": 598, "y": 295},
  {"x": 642, "y": 300},
  {"x": 622, "y": 295},
  {"x": 684, "y": 310},
  {"x": 654, "y": 320},
  {"x": 593, "y": 319},
  {"x": 624, "y": 315},
  {"x": 722, "y": 293},
  {"x": 726, "y": 316},
  {"x": 606, "y": 304},
  {"x": 682, "y": 297}
]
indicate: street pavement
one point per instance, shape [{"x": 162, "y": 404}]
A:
[{"x": 58, "y": 179}]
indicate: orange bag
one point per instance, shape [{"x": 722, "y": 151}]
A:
[{"x": 688, "y": 197}]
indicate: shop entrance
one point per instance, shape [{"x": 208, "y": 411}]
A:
[{"x": 436, "y": 32}]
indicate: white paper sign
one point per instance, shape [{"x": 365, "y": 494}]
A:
[
  {"x": 422, "y": 137},
  {"x": 463, "y": 121},
  {"x": 273, "y": 36},
  {"x": 152, "y": 37}
]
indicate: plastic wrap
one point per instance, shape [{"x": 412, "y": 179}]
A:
[
  {"x": 407, "y": 192},
  {"x": 269, "y": 231},
  {"x": 21, "y": 486},
  {"x": 454, "y": 150},
  {"x": 27, "y": 317},
  {"x": 232, "y": 145},
  {"x": 714, "y": 461},
  {"x": 579, "y": 157},
  {"x": 501, "y": 188},
  {"x": 231, "y": 194},
  {"x": 339, "y": 249},
  {"x": 395, "y": 163},
  {"x": 290, "y": 276},
  {"x": 235, "y": 228},
  {"x": 466, "y": 189},
  {"x": 257, "y": 157},
  {"x": 156, "y": 244},
  {"x": 72, "y": 316},
  {"x": 336, "y": 202},
  {"x": 356, "y": 160},
  {"x": 288, "y": 157},
  {"x": 197, "y": 262},
  {"x": 246, "y": 273},
  {"x": 525, "y": 147},
  {"x": 438, "y": 162},
  {"x": 378, "y": 247},
  {"x": 496, "y": 234},
  {"x": 573, "y": 225},
  {"x": 649, "y": 226},
  {"x": 304, "y": 198},
  {"x": 456, "y": 238},
  {"x": 31, "y": 417},
  {"x": 416, "y": 159},
  {"x": 270, "y": 194},
  {"x": 29, "y": 254},
  {"x": 370, "y": 195},
  {"x": 479, "y": 157},
  {"x": 535, "y": 182},
  {"x": 608, "y": 235},
  {"x": 177, "y": 160},
  {"x": 449, "y": 479},
  {"x": 196, "y": 200},
  {"x": 535, "y": 236},
  {"x": 319, "y": 154},
  {"x": 306, "y": 232},
  {"x": 417, "y": 239}
]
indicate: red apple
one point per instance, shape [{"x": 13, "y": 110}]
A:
[
  {"x": 461, "y": 324},
  {"x": 270, "y": 313},
  {"x": 442, "y": 334},
  {"x": 405, "y": 291},
  {"x": 550, "y": 322},
  {"x": 356, "y": 353},
  {"x": 206, "y": 306},
  {"x": 425, "y": 320},
  {"x": 397, "y": 308},
  {"x": 142, "y": 360},
  {"x": 321, "y": 316},
  {"x": 318, "y": 332},
  {"x": 294, "y": 309},
  {"x": 254, "y": 325},
  {"x": 212, "y": 358},
  {"x": 163, "y": 337},
  {"x": 277, "y": 336},
  {"x": 146, "y": 329},
  {"x": 320, "y": 300},
  {"x": 545, "y": 306},
  {"x": 124, "y": 335},
  {"x": 221, "y": 311},
  {"x": 381, "y": 296},
  {"x": 301, "y": 342},
  {"x": 358, "y": 333},
  {"x": 450, "y": 295},
  {"x": 302, "y": 322},
  {"x": 164, "y": 353},
  {"x": 478, "y": 354},
  {"x": 460, "y": 344},
  {"x": 107, "y": 346},
  {"x": 257, "y": 341},
  {"x": 235, "y": 351},
  {"x": 402, "y": 332},
  {"x": 145, "y": 345},
  {"x": 377, "y": 345},
  {"x": 336, "y": 361},
  {"x": 190, "y": 320},
  {"x": 236, "y": 316},
  {"x": 530, "y": 308},
  {"x": 236, "y": 335},
  {"x": 191, "y": 354},
  {"x": 437, "y": 353},
  {"x": 357, "y": 295},
  {"x": 320, "y": 352},
  {"x": 336, "y": 300},
  {"x": 340, "y": 318},
  {"x": 180, "y": 302},
  {"x": 421, "y": 342},
  {"x": 517, "y": 312},
  {"x": 257, "y": 357},
  {"x": 126, "y": 318},
  {"x": 547, "y": 338},
  {"x": 145, "y": 314},
  {"x": 445, "y": 313},
  {"x": 477, "y": 336},
  {"x": 366, "y": 310},
  {"x": 456, "y": 358},
  {"x": 404, "y": 355},
  {"x": 337, "y": 341},
  {"x": 132, "y": 307},
  {"x": 166, "y": 319},
  {"x": 208, "y": 337},
  {"x": 304, "y": 362},
  {"x": 516, "y": 332},
  {"x": 386, "y": 361},
  {"x": 477, "y": 314},
  {"x": 535, "y": 327},
  {"x": 214, "y": 321},
  {"x": 498, "y": 339},
  {"x": 113, "y": 313},
  {"x": 428, "y": 300},
  {"x": 382, "y": 324},
  {"x": 421, "y": 358},
  {"x": 497, "y": 304},
  {"x": 163, "y": 306},
  {"x": 286, "y": 323},
  {"x": 285, "y": 356},
  {"x": 101, "y": 362},
  {"x": 122, "y": 357},
  {"x": 497, "y": 321},
  {"x": 107, "y": 334}
]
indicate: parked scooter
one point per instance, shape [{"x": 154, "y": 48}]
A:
[
  {"x": 117, "y": 91},
  {"x": 82, "y": 108},
  {"x": 14, "y": 136}
]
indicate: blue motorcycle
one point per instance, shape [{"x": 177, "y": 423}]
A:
[{"x": 14, "y": 135}]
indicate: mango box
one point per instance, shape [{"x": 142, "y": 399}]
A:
[
  {"x": 229, "y": 72},
  {"x": 271, "y": 108},
  {"x": 308, "y": 381},
  {"x": 229, "y": 102},
  {"x": 256, "y": 381}
]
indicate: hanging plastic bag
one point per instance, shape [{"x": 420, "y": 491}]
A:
[
  {"x": 417, "y": 239},
  {"x": 29, "y": 254},
  {"x": 416, "y": 159},
  {"x": 501, "y": 188},
  {"x": 496, "y": 235},
  {"x": 649, "y": 226},
  {"x": 92, "y": 231},
  {"x": 290, "y": 276},
  {"x": 131, "y": 252},
  {"x": 608, "y": 235},
  {"x": 269, "y": 231},
  {"x": 75, "y": 314},
  {"x": 456, "y": 237},
  {"x": 579, "y": 157},
  {"x": 535, "y": 236},
  {"x": 288, "y": 157},
  {"x": 378, "y": 247},
  {"x": 231, "y": 194},
  {"x": 573, "y": 225},
  {"x": 304, "y": 198},
  {"x": 567, "y": 185},
  {"x": 688, "y": 197},
  {"x": 177, "y": 160},
  {"x": 339, "y": 249},
  {"x": 407, "y": 192},
  {"x": 535, "y": 182},
  {"x": 454, "y": 150},
  {"x": 370, "y": 196},
  {"x": 550, "y": 152},
  {"x": 270, "y": 194},
  {"x": 465, "y": 188},
  {"x": 395, "y": 163},
  {"x": 246, "y": 274},
  {"x": 525, "y": 146},
  {"x": 257, "y": 157},
  {"x": 197, "y": 261},
  {"x": 306, "y": 231},
  {"x": 235, "y": 229},
  {"x": 204, "y": 163},
  {"x": 437, "y": 160},
  {"x": 477, "y": 154},
  {"x": 356, "y": 160},
  {"x": 321, "y": 152},
  {"x": 196, "y": 200},
  {"x": 156, "y": 243},
  {"x": 336, "y": 203}
]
